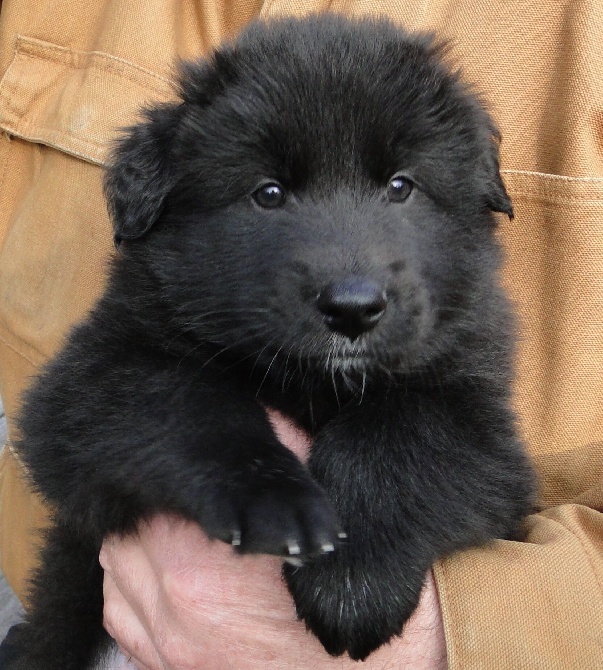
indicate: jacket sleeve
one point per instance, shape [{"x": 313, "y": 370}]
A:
[{"x": 534, "y": 604}]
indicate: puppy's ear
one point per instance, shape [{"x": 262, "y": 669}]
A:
[
  {"x": 497, "y": 198},
  {"x": 141, "y": 172}
]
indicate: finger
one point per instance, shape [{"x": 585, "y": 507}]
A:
[
  {"x": 123, "y": 624},
  {"x": 105, "y": 554},
  {"x": 127, "y": 561},
  {"x": 117, "y": 550},
  {"x": 133, "y": 664},
  {"x": 290, "y": 434},
  {"x": 127, "y": 662}
]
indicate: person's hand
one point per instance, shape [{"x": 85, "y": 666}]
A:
[{"x": 174, "y": 600}]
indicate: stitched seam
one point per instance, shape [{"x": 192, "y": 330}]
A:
[
  {"x": 554, "y": 176},
  {"x": 20, "y": 353},
  {"x": 17, "y": 458},
  {"x": 587, "y": 554},
  {"x": 266, "y": 7},
  {"x": 4, "y": 170},
  {"x": 99, "y": 66},
  {"x": 7, "y": 85},
  {"x": 25, "y": 126},
  {"x": 451, "y": 646},
  {"x": 28, "y": 125},
  {"x": 60, "y": 147},
  {"x": 99, "y": 63},
  {"x": 557, "y": 199},
  {"x": 23, "y": 42}
]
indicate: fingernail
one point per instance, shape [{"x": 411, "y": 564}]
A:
[{"x": 293, "y": 547}]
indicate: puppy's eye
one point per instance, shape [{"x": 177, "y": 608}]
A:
[
  {"x": 399, "y": 188},
  {"x": 270, "y": 195}
]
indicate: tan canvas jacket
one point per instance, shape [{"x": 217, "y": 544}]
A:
[{"x": 73, "y": 71}]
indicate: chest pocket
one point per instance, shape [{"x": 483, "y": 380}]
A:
[
  {"x": 73, "y": 101},
  {"x": 60, "y": 111},
  {"x": 554, "y": 274}
]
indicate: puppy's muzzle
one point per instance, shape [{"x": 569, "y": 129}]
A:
[{"x": 352, "y": 306}]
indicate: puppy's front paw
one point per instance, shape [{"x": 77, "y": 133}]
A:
[
  {"x": 291, "y": 518},
  {"x": 350, "y": 607},
  {"x": 287, "y": 515}
]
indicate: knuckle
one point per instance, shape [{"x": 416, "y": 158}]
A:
[
  {"x": 111, "y": 618},
  {"x": 177, "y": 653},
  {"x": 180, "y": 589}
]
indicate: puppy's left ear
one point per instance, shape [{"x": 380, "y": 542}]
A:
[
  {"x": 497, "y": 198},
  {"x": 141, "y": 172}
]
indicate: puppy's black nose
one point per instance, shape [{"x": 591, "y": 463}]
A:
[{"x": 352, "y": 306}]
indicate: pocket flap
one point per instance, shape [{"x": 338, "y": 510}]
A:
[{"x": 74, "y": 101}]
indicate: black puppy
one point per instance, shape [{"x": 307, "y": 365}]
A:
[{"x": 308, "y": 227}]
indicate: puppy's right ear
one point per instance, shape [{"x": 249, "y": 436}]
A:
[{"x": 141, "y": 172}]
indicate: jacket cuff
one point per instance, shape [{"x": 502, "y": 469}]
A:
[{"x": 528, "y": 605}]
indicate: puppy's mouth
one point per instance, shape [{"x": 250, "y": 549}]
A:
[
  {"x": 350, "y": 363},
  {"x": 345, "y": 356}
]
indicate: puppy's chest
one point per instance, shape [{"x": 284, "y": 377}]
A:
[
  {"x": 309, "y": 398},
  {"x": 311, "y": 404}
]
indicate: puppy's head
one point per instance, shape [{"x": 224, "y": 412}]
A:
[{"x": 323, "y": 190}]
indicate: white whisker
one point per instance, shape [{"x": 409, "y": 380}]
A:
[{"x": 268, "y": 369}]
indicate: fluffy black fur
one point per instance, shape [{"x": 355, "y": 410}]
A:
[{"x": 213, "y": 309}]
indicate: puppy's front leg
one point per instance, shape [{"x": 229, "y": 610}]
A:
[
  {"x": 112, "y": 435},
  {"x": 414, "y": 476},
  {"x": 126, "y": 435},
  {"x": 116, "y": 433}
]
